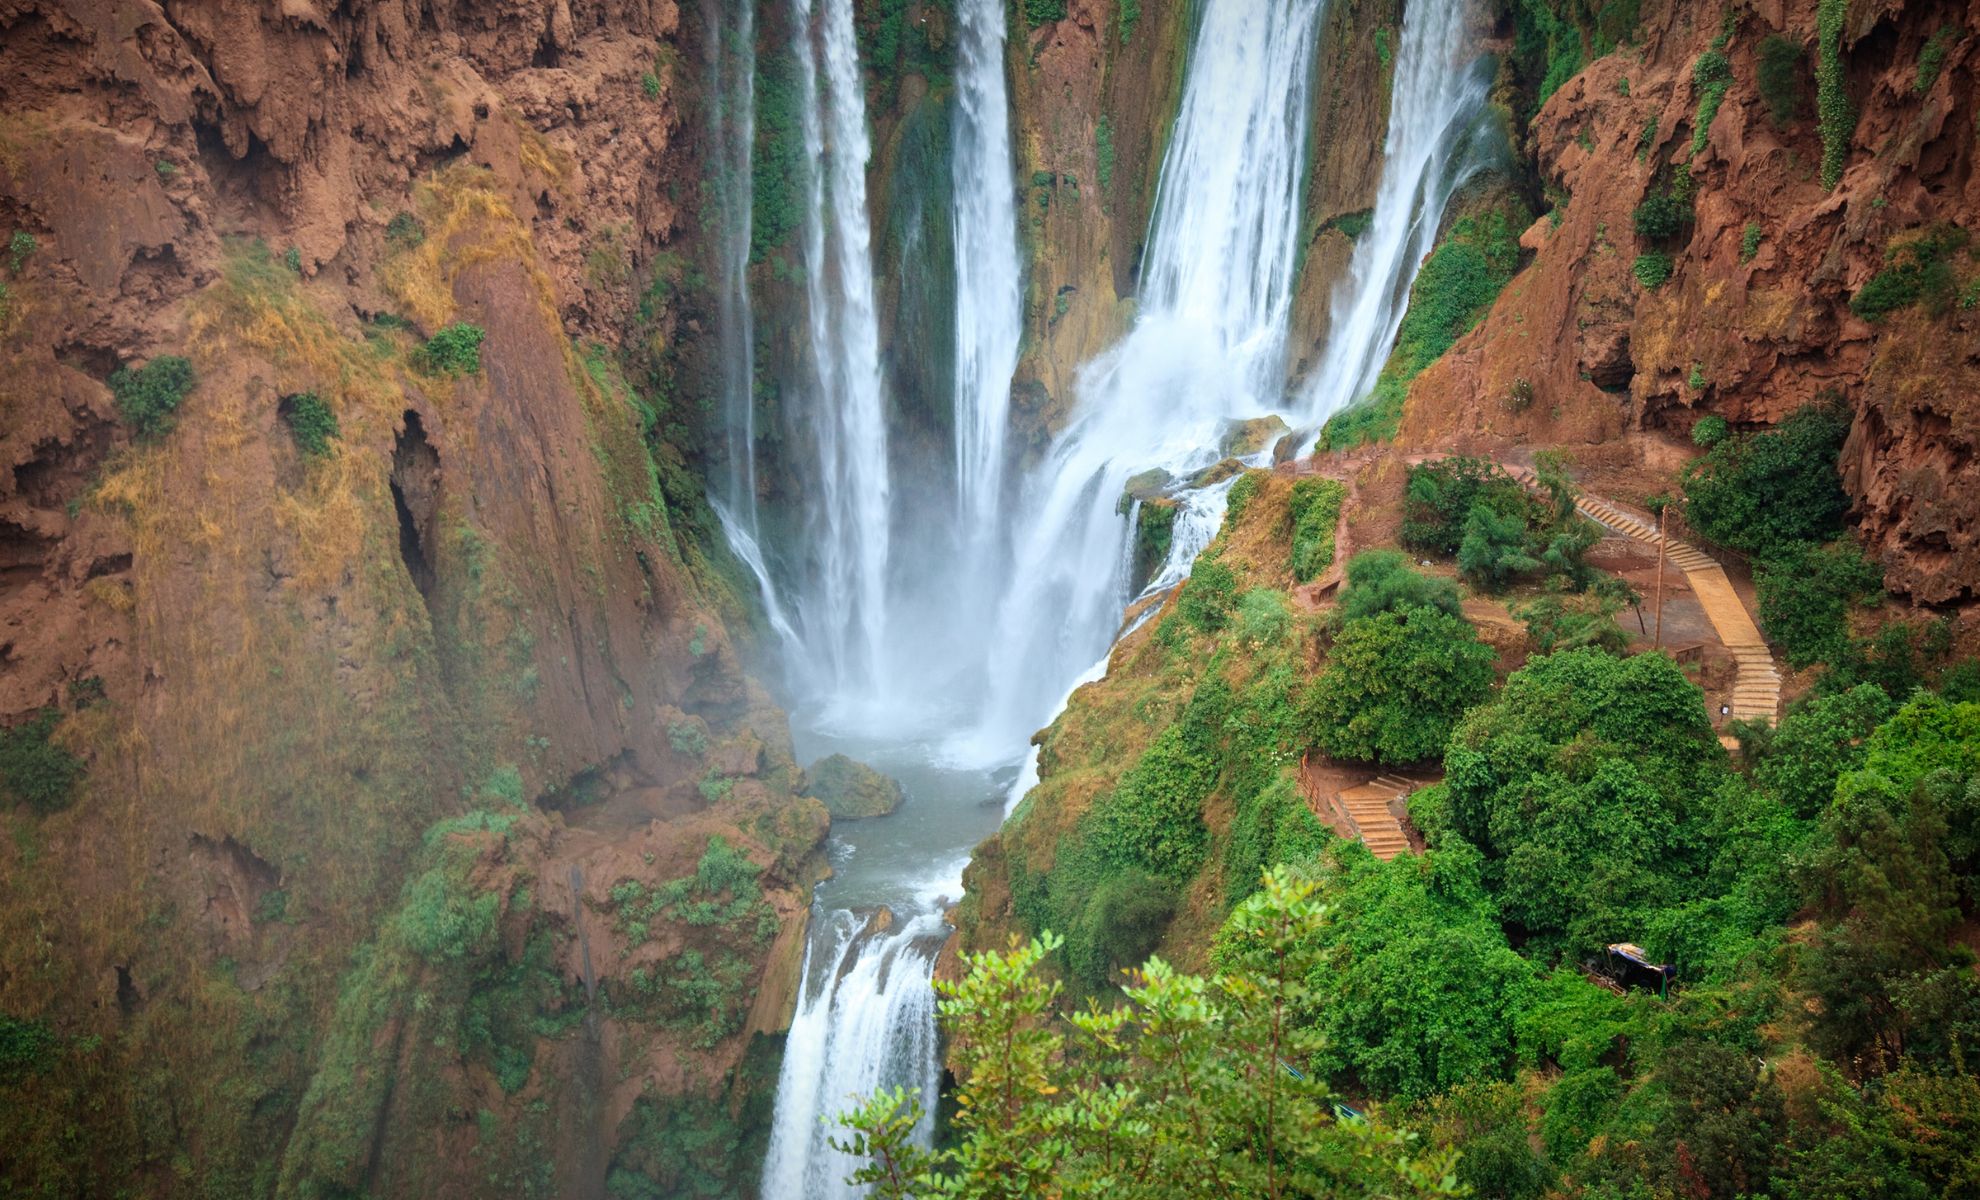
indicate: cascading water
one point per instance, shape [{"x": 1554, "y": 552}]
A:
[
  {"x": 731, "y": 64},
  {"x": 1207, "y": 346},
  {"x": 989, "y": 300},
  {"x": 1432, "y": 148},
  {"x": 842, "y": 611}
]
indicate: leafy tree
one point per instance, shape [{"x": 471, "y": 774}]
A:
[
  {"x": 1494, "y": 550},
  {"x": 1182, "y": 1091},
  {"x": 1396, "y": 683},
  {"x": 1441, "y": 495},
  {"x": 1806, "y": 591},
  {"x": 1389, "y": 1023},
  {"x": 1761, "y": 493},
  {"x": 1819, "y": 739},
  {"x": 1486, "y": 1123}
]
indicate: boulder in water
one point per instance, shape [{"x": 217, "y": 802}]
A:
[
  {"x": 1216, "y": 472},
  {"x": 1242, "y": 439},
  {"x": 1148, "y": 485},
  {"x": 850, "y": 789}
]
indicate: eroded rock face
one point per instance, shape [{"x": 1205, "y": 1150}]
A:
[
  {"x": 1754, "y": 321},
  {"x": 283, "y": 672}
]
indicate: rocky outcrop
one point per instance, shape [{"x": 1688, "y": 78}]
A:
[
  {"x": 302, "y": 682},
  {"x": 851, "y": 790},
  {"x": 1754, "y": 321}
]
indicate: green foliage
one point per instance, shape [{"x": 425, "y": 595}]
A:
[
  {"x": 1181, "y": 1091},
  {"x": 405, "y": 230},
  {"x": 34, "y": 770},
  {"x": 1749, "y": 242},
  {"x": 777, "y": 166},
  {"x": 1387, "y": 1021},
  {"x": 1712, "y": 76},
  {"x": 1153, "y": 820},
  {"x": 1441, "y": 494},
  {"x": 1652, "y": 269},
  {"x": 725, "y": 890},
  {"x": 20, "y": 247},
  {"x": 1129, "y": 14},
  {"x": 148, "y": 397},
  {"x": 694, "y": 1147},
  {"x": 1207, "y": 595},
  {"x": 1919, "y": 270},
  {"x": 1316, "y": 511},
  {"x": 1806, "y": 592},
  {"x": 1396, "y": 683},
  {"x": 292, "y": 259},
  {"x": 1836, "y": 114},
  {"x": 1581, "y": 784},
  {"x": 1932, "y": 59},
  {"x": 1380, "y": 581},
  {"x": 686, "y": 737},
  {"x": 1272, "y": 825},
  {"x": 1557, "y": 622},
  {"x": 1038, "y": 12},
  {"x": 1780, "y": 73},
  {"x": 444, "y": 917},
  {"x": 1710, "y": 430},
  {"x": 1104, "y": 155},
  {"x": 649, "y": 85},
  {"x": 1485, "y": 1123},
  {"x": 1696, "y": 381},
  {"x": 311, "y": 423},
  {"x": 1548, "y": 45},
  {"x": 26, "y": 1048},
  {"x": 1263, "y": 617},
  {"x": 1383, "y": 54},
  {"x": 1494, "y": 550},
  {"x": 1375, "y": 419},
  {"x": 1820, "y": 738},
  {"x": 1661, "y": 215},
  {"x": 1121, "y": 926},
  {"x": 1760, "y": 493},
  {"x": 454, "y": 350}
]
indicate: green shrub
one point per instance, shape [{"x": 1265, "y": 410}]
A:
[
  {"x": 292, "y": 259},
  {"x": 1919, "y": 271},
  {"x": 1396, "y": 684},
  {"x": 444, "y": 917},
  {"x": 1455, "y": 288},
  {"x": 311, "y": 423},
  {"x": 1263, "y": 616},
  {"x": 405, "y": 230},
  {"x": 1932, "y": 59},
  {"x": 1761, "y": 493},
  {"x": 1832, "y": 106},
  {"x": 1652, "y": 270},
  {"x": 1696, "y": 381},
  {"x": 454, "y": 350},
  {"x": 1130, "y": 13},
  {"x": 1207, "y": 595},
  {"x": 1441, "y": 495},
  {"x": 687, "y": 738},
  {"x": 1555, "y": 622},
  {"x": 1661, "y": 215},
  {"x": 1039, "y": 12},
  {"x": 1819, "y": 739},
  {"x": 1316, "y": 511},
  {"x": 649, "y": 85},
  {"x": 1710, "y": 430},
  {"x": 1272, "y": 825},
  {"x": 1380, "y": 581},
  {"x": 1153, "y": 820},
  {"x": 1712, "y": 76},
  {"x": 1780, "y": 72},
  {"x": 20, "y": 247},
  {"x": 1103, "y": 143},
  {"x": 1806, "y": 592},
  {"x": 33, "y": 769},
  {"x": 26, "y": 1048},
  {"x": 1121, "y": 926},
  {"x": 148, "y": 397},
  {"x": 1749, "y": 242},
  {"x": 1495, "y": 550}
]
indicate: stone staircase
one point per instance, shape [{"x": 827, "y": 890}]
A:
[
  {"x": 1757, "y": 682},
  {"x": 1368, "y": 809}
]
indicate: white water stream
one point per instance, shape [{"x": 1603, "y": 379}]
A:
[{"x": 1036, "y": 581}]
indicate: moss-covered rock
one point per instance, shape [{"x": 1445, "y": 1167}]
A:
[{"x": 850, "y": 789}]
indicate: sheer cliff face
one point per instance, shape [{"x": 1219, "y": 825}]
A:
[
  {"x": 279, "y": 669},
  {"x": 1755, "y": 319}
]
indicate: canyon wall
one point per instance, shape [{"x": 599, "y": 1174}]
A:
[{"x": 421, "y": 832}]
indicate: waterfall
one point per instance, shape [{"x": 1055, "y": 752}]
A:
[
  {"x": 730, "y": 47},
  {"x": 1208, "y": 345},
  {"x": 1435, "y": 110},
  {"x": 842, "y": 611},
  {"x": 989, "y": 299},
  {"x": 865, "y": 1020}
]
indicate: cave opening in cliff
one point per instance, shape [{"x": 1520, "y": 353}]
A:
[{"x": 415, "y": 486}]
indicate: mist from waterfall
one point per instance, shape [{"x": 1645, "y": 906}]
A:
[
  {"x": 841, "y": 608},
  {"x": 1208, "y": 345},
  {"x": 1434, "y": 145}
]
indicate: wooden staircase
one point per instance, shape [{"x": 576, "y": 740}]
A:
[
  {"x": 1756, "y": 682},
  {"x": 1368, "y": 810}
]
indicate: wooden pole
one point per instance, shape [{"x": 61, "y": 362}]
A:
[{"x": 1658, "y": 643}]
